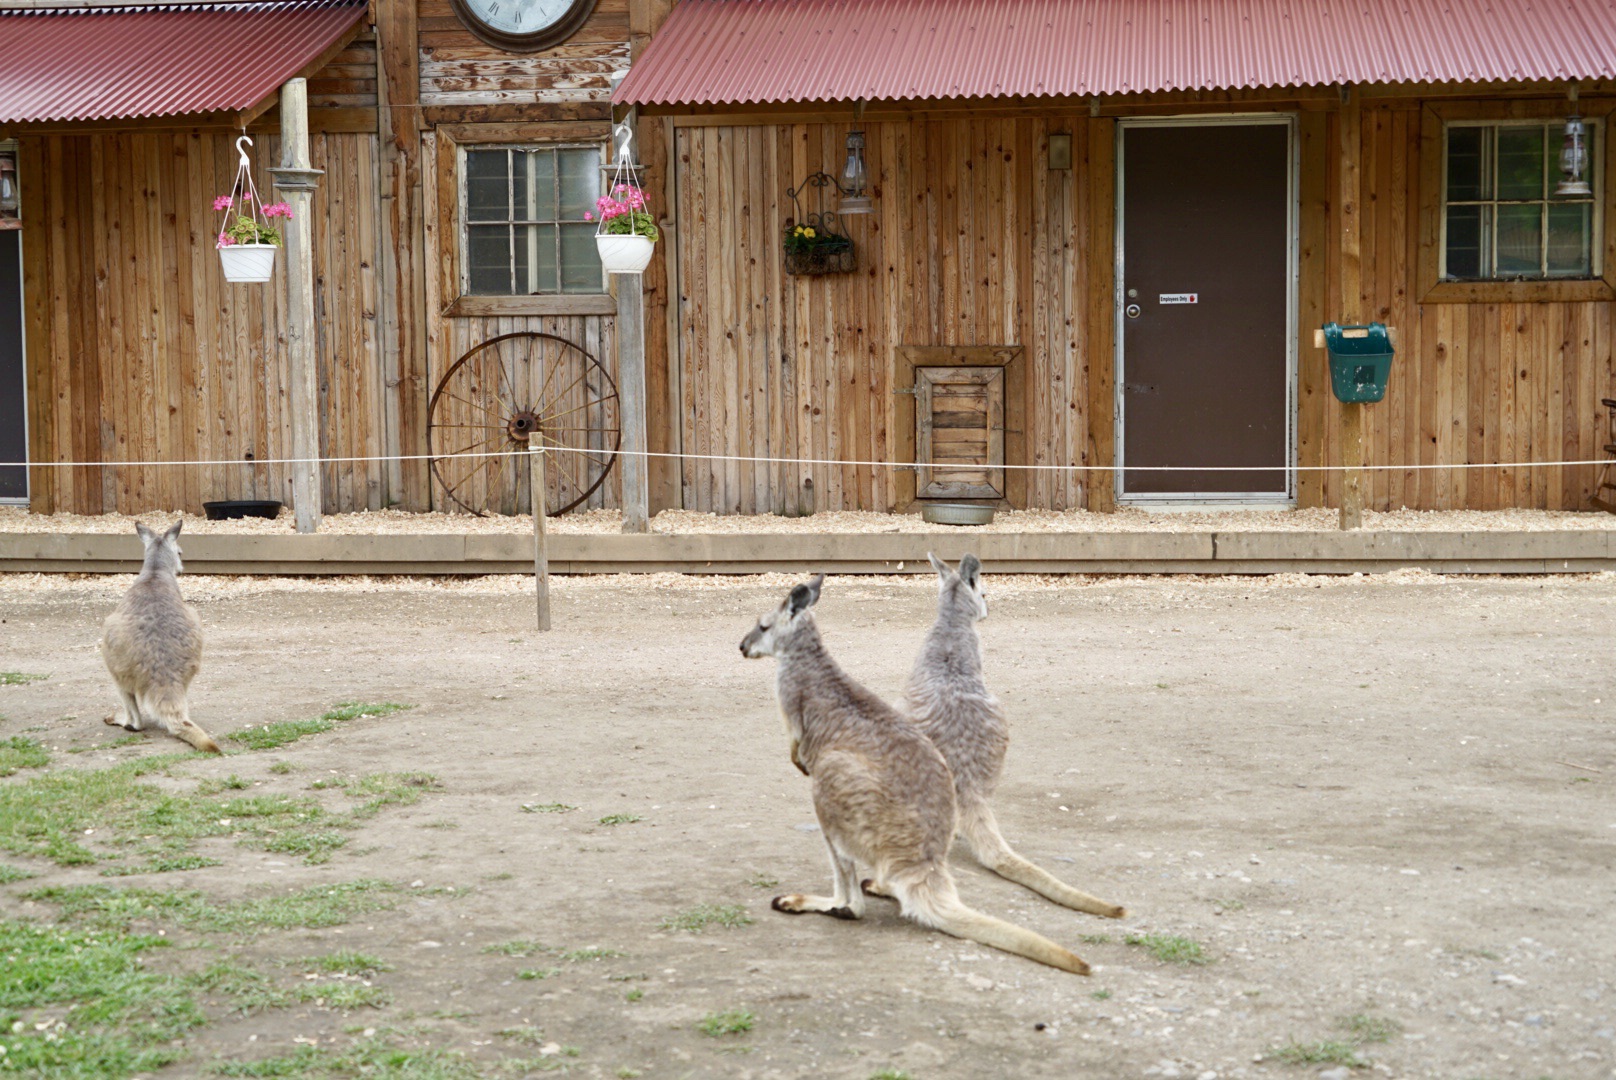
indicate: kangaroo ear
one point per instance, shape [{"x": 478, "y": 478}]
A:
[
  {"x": 939, "y": 565},
  {"x": 173, "y": 532},
  {"x": 147, "y": 537},
  {"x": 805, "y": 596},
  {"x": 970, "y": 570}
]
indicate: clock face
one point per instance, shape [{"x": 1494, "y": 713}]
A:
[{"x": 524, "y": 25}]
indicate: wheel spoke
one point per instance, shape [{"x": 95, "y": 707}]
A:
[
  {"x": 585, "y": 405},
  {"x": 582, "y": 375},
  {"x": 476, "y": 406}
]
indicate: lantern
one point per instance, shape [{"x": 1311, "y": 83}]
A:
[
  {"x": 1574, "y": 159},
  {"x": 10, "y": 194},
  {"x": 854, "y": 179}
]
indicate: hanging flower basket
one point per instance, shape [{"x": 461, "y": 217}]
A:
[
  {"x": 626, "y": 234},
  {"x": 247, "y": 238},
  {"x": 818, "y": 253}
]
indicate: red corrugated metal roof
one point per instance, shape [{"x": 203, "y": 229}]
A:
[
  {"x": 738, "y": 51},
  {"x": 72, "y": 64}
]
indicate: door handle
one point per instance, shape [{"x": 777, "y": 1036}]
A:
[{"x": 1132, "y": 311}]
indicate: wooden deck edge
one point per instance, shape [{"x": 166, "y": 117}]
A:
[{"x": 845, "y": 553}]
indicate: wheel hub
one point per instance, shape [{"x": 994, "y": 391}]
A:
[{"x": 520, "y": 426}]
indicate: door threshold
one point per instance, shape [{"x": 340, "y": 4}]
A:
[{"x": 1209, "y": 506}]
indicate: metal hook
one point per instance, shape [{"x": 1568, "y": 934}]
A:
[{"x": 245, "y": 163}]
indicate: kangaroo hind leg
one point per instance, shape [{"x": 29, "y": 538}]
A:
[
  {"x": 848, "y": 901},
  {"x": 988, "y": 845},
  {"x": 174, "y": 717},
  {"x": 131, "y": 719}
]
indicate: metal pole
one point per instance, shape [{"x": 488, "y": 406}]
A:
[
  {"x": 296, "y": 181},
  {"x": 541, "y": 554}
]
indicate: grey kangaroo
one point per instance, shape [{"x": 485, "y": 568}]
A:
[
  {"x": 152, "y": 644},
  {"x": 881, "y": 790},
  {"x": 949, "y": 701}
]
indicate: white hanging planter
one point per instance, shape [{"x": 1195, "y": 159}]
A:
[
  {"x": 247, "y": 262},
  {"x": 624, "y": 253}
]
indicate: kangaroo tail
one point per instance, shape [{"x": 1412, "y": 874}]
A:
[
  {"x": 933, "y": 902},
  {"x": 174, "y": 717},
  {"x": 988, "y": 845}
]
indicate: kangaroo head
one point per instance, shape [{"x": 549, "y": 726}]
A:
[
  {"x": 963, "y": 588},
  {"x": 162, "y": 551},
  {"x": 776, "y": 629}
]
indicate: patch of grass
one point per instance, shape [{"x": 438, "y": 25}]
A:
[
  {"x": 1170, "y": 949},
  {"x": 1362, "y": 1028},
  {"x": 441, "y": 824},
  {"x": 620, "y": 819},
  {"x": 626, "y": 1073},
  {"x": 345, "y": 962},
  {"x": 1101, "y": 995},
  {"x": 1095, "y": 939},
  {"x": 99, "y": 1011},
  {"x": 1229, "y": 905},
  {"x": 281, "y": 732},
  {"x": 341, "y": 995},
  {"x": 532, "y": 974},
  {"x": 520, "y": 947},
  {"x": 17, "y": 678},
  {"x": 21, "y": 752},
  {"x": 161, "y": 865},
  {"x": 249, "y": 989},
  {"x": 547, "y": 808},
  {"x": 104, "y": 908},
  {"x": 634, "y": 995},
  {"x": 380, "y": 790},
  {"x": 1319, "y": 1053},
  {"x": 529, "y": 1036},
  {"x": 11, "y": 874},
  {"x": 576, "y": 956},
  {"x": 763, "y": 881},
  {"x": 890, "y": 1074},
  {"x": 282, "y": 768},
  {"x": 375, "y": 1059},
  {"x": 229, "y": 783},
  {"x": 699, "y": 918},
  {"x": 728, "y": 1022}
]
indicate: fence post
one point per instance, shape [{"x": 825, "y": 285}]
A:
[{"x": 541, "y": 554}]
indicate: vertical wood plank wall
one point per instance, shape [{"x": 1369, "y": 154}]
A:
[
  {"x": 975, "y": 241},
  {"x": 1472, "y": 382},
  {"x": 139, "y": 349}
]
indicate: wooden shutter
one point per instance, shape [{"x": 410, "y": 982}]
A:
[{"x": 959, "y": 432}]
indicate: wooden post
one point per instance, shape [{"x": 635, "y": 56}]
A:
[
  {"x": 295, "y": 181},
  {"x": 541, "y": 534},
  {"x": 1349, "y": 200},
  {"x": 631, "y": 388}
]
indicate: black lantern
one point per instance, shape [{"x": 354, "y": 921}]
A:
[
  {"x": 1574, "y": 159},
  {"x": 854, "y": 180}
]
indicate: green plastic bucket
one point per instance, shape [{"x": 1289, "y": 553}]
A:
[{"x": 1360, "y": 361}]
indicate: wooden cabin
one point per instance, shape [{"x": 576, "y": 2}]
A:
[{"x": 1092, "y": 236}]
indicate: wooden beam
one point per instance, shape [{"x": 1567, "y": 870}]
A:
[
  {"x": 295, "y": 180},
  {"x": 1100, "y": 358},
  {"x": 1350, "y": 307}
]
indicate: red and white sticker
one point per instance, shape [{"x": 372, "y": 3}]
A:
[{"x": 1180, "y": 298}]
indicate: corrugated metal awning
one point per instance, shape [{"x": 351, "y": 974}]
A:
[
  {"x": 116, "y": 63},
  {"x": 733, "y": 52}
]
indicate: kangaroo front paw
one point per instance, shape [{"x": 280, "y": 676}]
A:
[{"x": 872, "y": 887}]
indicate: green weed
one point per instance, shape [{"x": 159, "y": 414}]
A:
[
  {"x": 1095, "y": 939},
  {"x": 634, "y": 994},
  {"x": 530, "y": 1036},
  {"x": 576, "y": 956},
  {"x": 21, "y": 752},
  {"x": 763, "y": 881},
  {"x": 518, "y": 948},
  {"x": 345, "y": 962},
  {"x": 547, "y": 808},
  {"x": 229, "y": 783},
  {"x": 729, "y": 1022},
  {"x": 1101, "y": 995},
  {"x": 101, "y": 907},
  {"x": 532, "y": 974},
  {"x": 11, "y": 874},
  {"x": 620, "y": 819},
  {"x": 890, "y": 1074},
  {"x": 1319, "y": 1053},
  {"x": 17, "y": 678},
  {"x": 281, "y": 768},
  {"x": 1370, "y": 1029},
  {"x": 697, "y": 919},
  {"x": 281, "y": 732},
  {"x": 375, "y": 1059},
  {"x": 1170, "y": 949}
]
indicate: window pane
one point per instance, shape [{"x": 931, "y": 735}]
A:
[
  {"x": 1520, "y": 241},
  {"x": 1468, "y": 227},
  {"x": 1464, "y": 162},
  {"x": 536, "y": 258},
  {"x": 1520, "y": 165},
  {"x": 486, "y": 186},
  {"x": 580, "y": 183},
  {"x": 538, "y": 201},
  {"x": 1571, "y": 240},
  {"x": 488, "y": 260},
  {"x": 580, "y": 262}
]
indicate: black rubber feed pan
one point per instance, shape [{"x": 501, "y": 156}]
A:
[{"x": 240, "y": 508}]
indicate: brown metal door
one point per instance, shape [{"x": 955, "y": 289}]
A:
[
  {"x": 13, "y": 411},
  {"x": 1206, "y": 293}
]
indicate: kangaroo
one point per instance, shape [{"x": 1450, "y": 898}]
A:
[
  {"x": 948, "y": 700},
  {"x": 882, "y": 792},
  {"x": 152, "y": 644}
]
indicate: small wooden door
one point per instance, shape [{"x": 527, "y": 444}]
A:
[{"x": 959, "y": 432}]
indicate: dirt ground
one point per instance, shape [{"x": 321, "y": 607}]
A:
[{"x": 1386, "y": 798}]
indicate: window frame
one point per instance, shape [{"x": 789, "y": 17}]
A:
[
  {"x": 448, "y": 217},
  {"x": 1435, "y": 120}
]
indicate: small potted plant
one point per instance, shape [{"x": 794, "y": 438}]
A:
[
  {"x": 815, "y": 249},
  {"x": 625, "y": 234},
  {"x": 248, "y": 238}
]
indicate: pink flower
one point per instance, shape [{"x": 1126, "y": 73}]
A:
[
  {"x": 222, "y": 202},
  {"x": 226, "y": 241},
  {"x": 280, "y": 209},
  {"x": 588, "y": 216}
]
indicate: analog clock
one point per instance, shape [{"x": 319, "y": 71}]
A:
[{"x": 523, "y": 25}]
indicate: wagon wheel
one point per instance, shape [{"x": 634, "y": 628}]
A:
[{"x": 498, "y": 393}]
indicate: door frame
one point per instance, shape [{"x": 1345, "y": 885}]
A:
[{"x": 1293, "y": 206}]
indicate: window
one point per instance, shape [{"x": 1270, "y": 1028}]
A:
[
  {"x": 1501, "y": 220},
  {"x": 525, "y": 232}
]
